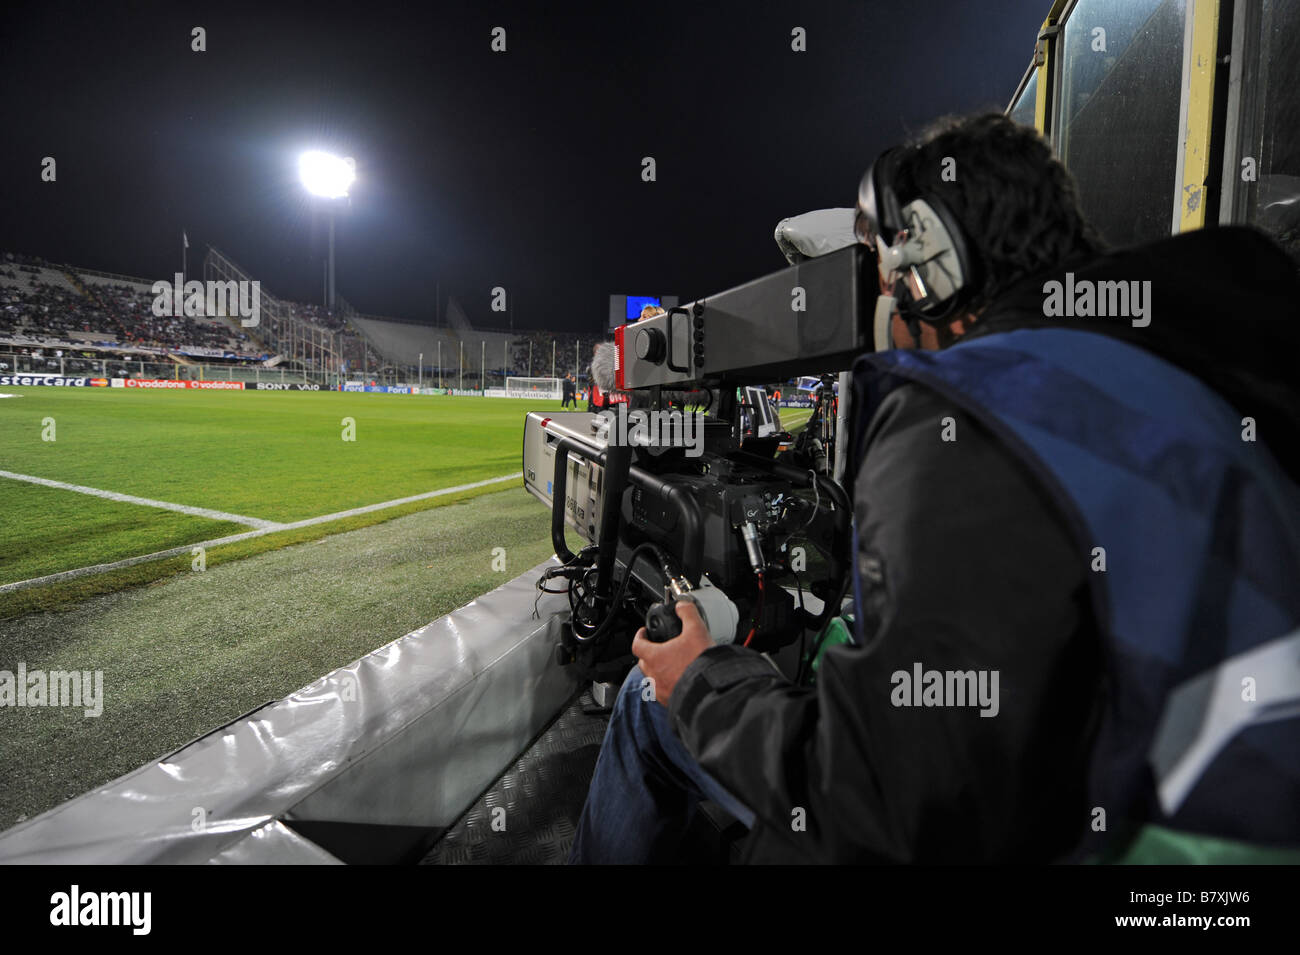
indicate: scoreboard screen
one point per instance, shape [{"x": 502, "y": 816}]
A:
[
  {"x": 627, "y": 308},
  {"x": 637, "y": 302}
]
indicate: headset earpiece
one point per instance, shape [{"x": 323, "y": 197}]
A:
[
  {"x": 923, "y": 243},
  {"x": 936, "y": 273}
]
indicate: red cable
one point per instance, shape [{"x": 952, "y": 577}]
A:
[{"x": 758, "y": 611}]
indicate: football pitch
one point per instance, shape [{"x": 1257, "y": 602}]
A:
[
  {"x": 233, "y": 462},
  {"x": 96, "y": 477}
]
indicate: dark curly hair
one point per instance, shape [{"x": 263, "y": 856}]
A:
[{"x": 1013, "y": 199}]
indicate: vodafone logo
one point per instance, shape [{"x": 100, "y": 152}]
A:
[
  {"x": 163, "y": 383},
  {"x": 146, "y": 383}
]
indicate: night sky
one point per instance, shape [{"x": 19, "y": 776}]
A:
[{"x": 475, "y": 169}]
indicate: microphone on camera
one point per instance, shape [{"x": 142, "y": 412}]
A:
[{"x": 602, "y": 366}]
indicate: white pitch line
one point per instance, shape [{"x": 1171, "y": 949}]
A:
[
  {"x": 246, "y": 535},
  {"x": 145, "y": 501}
]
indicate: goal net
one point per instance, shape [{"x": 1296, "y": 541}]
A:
[{"x": 534, "y": 388}]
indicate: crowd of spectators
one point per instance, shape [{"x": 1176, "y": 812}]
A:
[
  {"x": 131, "y": 309},
  {"x": 570, "y": 351},
  {"x": 116, "y": 313},
  {"x": 46, "y": 311},
  {"x": 119, "y": 313},
  {"x": 318, "y": 315},
  {"x": 27, "y": 263},
  {"x": 359, "y": 355}
]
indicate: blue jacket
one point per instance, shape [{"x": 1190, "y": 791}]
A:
[{"x": 1192, "y": 534}]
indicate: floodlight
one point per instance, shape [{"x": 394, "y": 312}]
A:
[{"x": 326, "y": 175}]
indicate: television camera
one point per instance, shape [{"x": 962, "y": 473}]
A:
[{"x": 688, "y": 491}]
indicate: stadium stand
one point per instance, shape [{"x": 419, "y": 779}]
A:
[
  {"x": 402, "y": 343},
  {"x": 90, "y": 277},
  {"x": 60, "y": 305},
  {"x": 68, "y": 319}
]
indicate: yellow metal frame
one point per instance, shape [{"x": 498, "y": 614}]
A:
[
  {"x": 1197, "y": 128},
  {"x": 1045, "y": 57}
]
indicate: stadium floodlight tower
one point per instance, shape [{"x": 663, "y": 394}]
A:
[{"x": 328, "y": 176}]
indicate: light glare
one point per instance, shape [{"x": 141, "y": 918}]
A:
[{"x": 326, "y": 175}]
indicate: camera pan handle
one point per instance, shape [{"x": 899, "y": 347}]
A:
[{"x": 676, "y": 309}]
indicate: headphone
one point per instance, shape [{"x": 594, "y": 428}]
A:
[{"x": 919, "y": 243}]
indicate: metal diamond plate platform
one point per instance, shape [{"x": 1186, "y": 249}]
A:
[{"x": 542, "y": 795}]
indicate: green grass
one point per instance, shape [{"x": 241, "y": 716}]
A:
[
  {"x": 279, "y": 456},
  {"x": 48, "y": 530},
  {"x": 197, "y": 650},
  {"x": 276, "y": 456},
  {"x": 793, "y": 419}
]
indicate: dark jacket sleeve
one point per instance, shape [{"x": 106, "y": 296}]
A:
[{"x": 966, "y": 565}]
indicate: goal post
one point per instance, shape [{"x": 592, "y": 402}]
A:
[{"x": 534, "y": 388}]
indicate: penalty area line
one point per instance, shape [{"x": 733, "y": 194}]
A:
[{"x": 247, "y": 535}]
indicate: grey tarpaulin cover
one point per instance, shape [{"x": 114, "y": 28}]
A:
[
  {"x": 408, "y": 735},
  {"x": 815, "y": 233}
]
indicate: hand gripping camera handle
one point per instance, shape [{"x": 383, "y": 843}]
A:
[
  {"x": 662, "y": 622},
  {"x": 719, "y": 614}
]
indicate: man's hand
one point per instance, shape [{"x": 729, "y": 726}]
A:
[{"x": 665, "y": 662}]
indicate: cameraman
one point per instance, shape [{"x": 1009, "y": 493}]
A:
[{"x": 1068, "y": 507}]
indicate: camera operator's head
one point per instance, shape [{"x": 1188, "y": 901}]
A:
[{"x": 957, "y": 217}]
